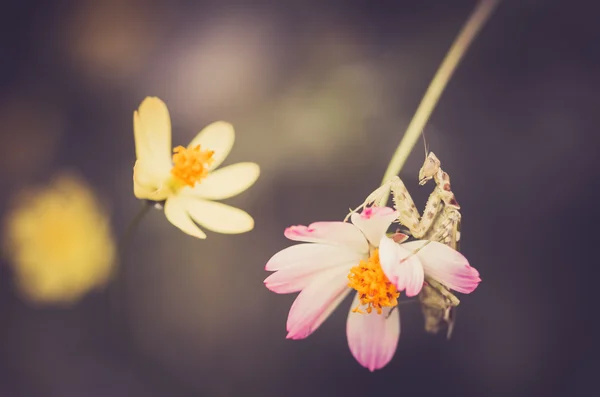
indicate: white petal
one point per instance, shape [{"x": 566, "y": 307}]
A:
[
  {"x": 373, "y": 337},
  {"x": 446, "y": 265},
  {"x": 332, "y": 233},
  {"x": 374, "y": 222},
  {"x": 218, "y": 136},
  {"x": 218, "y": 217},
  {"x": 177, "y": 215},
  {"x": 226, "y": 182},
  {"x": 152, "y": 132},
  {"x": 316, "y": 302},
  {"x": 328, "y": 310},
  {"x": 309, "y": 252},
  {"x": 401, "y": 266},
  {"x": 299, "y": 265}
]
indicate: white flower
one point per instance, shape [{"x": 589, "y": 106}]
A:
[
  {"x": 186, "y": 180},
  {"x": 340, "y": 257}
]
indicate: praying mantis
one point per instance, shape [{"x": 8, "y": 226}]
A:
[{"x": 440, "y": 222}]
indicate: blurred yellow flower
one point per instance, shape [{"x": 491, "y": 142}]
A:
[
  {"x": 58, "y": 241},
  {"x": 185, "y": 180}
]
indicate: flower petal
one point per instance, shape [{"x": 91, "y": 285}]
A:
[
  {"x": 374, "y": 222},
  {"x": 300, "y": 264},
  {"x": 142, "y": 187},
  {"x": 149, "y": 181},
  {"x": 306, "y": 253},
  {"x": 446, "y": 265},
  {"x": 177, "y": 215},
  {"x": 218, "y": 217},
  {"x": 218, "y": 136},
  {"x": 373, "y": 337},
  {"x": 316, "y": 302},
  {"x": 226, "y": 182},
  {"x": 152, "y": 132},
  {"x": 332, "y": 233},
  {"x": 401, "y": 266}
]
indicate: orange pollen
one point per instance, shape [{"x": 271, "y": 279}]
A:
[
  {"x": 190, "y": 166},
  {"x": 374, "y": 289}
]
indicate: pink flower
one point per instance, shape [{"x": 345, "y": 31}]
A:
[{"x": 337, "y": 258}]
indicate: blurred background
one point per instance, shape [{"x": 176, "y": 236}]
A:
[{"x": 319, "y": 94}]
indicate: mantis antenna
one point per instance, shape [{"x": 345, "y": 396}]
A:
[{"x": 425, "y": 143}]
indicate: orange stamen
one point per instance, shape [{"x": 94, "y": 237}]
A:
[
  {"x": 190, "y": 166},
  {"x": 374, "y": 289}
]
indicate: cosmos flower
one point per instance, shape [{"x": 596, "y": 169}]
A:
[
  {"x": 338, "y": 258},
  {"x": 59, "y": 242},
  {"x": 187, "y": 180}
]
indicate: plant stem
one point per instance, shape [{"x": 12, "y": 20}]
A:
[
  {"x": 117, "y": 291},
  {"x": 131, "y": 228},
  {"x": 460, "y": 46}
]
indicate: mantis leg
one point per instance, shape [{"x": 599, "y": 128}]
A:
[
  {"x": 409, "y": 216},
  {"x": 374, "y": 198}
]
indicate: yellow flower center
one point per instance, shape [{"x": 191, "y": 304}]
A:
[
  {"x": 374, "y": 289},
  {"x": 190, "y": 166}
]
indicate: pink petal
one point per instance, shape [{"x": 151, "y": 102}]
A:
[
  {"x": 401, "y": 266},
  {"x": 446, "y": 265},
  {"x": 373, "y": 337},
  {"x": 298, "y": 265},
  {"x": 332, "y": 233},
  {"x": 316, "y": 302},
  {"x": 374, "y": 222},
  {"x": 308, "y": 253}
]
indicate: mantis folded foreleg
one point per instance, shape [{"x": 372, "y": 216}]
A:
[{"x": 408, "y": 215}]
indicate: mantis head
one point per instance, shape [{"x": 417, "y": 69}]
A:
[{"x": 429, "y": 169}]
